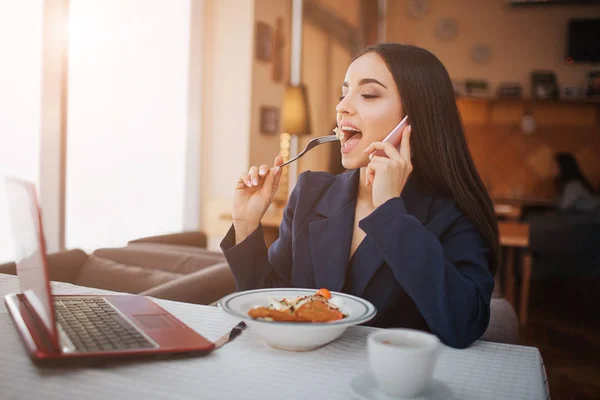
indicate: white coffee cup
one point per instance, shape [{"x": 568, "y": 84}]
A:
[{"x": 402, "y": 361}]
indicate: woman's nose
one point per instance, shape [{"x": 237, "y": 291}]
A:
[{"x": 345, "y": 107}]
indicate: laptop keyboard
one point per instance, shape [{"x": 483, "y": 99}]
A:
[{"x": 93, "y": 325}]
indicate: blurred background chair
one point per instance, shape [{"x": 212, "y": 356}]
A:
[
  {"x": 562, "y": 244},
  {"x": 504, "y": 325}
]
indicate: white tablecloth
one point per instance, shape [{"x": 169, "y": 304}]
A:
[{"x": 248, "y": 369}]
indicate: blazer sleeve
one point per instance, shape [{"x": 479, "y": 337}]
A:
[
  {"x": 447, "y": 278},
  {"x": 252, "y": 265}
]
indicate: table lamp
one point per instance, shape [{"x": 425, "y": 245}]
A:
[{"x": 295, "y": 121}]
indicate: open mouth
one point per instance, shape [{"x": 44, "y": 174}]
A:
[{"x": 349, "y": 138}]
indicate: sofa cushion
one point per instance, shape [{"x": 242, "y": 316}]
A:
[
  {"x": 103, "y": 273},
  {"x": 8, "y": 268},
  {"x": 64, "y": 266},
  {"x": 168, "y": 258},
  {"x": 179, "y": 249},
  {"x": 200, "y": 287},
  {"x": 189, "y": 239}
]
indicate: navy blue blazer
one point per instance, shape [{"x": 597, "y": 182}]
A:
[{"x": 424, "y": 265}]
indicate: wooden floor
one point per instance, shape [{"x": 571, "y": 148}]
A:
[{"x": 564, "y": 324}]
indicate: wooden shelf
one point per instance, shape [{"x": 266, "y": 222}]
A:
[
  {"x": 494, "y": 111},
  {"x": 529, "y": 101}
]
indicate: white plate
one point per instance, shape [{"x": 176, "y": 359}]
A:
[
  {"x": 364, "y": 388},
  {"x": 296, "y": 336}
]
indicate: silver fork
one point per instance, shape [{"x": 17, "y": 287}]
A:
[{"x": 311, "y": 145}]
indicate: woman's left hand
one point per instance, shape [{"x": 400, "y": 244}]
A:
[{"x": 388, "y": 175}]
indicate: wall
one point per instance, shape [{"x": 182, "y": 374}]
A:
[
  {"x": 227, "y": 77},
  {"x": 232, "y": 140},
  {"x": 522, "y": 39},
  {"x": 265, "y": 91},
  {"x": 324, "y": 64},
  {"x": 237, "y": 84}
]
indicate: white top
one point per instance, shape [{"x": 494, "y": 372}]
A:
[
  {"x": 576, "y": 197},
  {"x": 248, "y": 369}
]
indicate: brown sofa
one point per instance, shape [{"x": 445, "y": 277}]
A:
[{"x": 154, "y": 266}]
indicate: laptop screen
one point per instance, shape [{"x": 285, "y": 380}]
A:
[{"x": 30, "y": 250}]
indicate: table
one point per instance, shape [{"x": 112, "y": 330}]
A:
[
  {"x": 248, "y": 369},
  {"x": 516, "y": 235},
  {"x": 511, "y": 208},
  {"x": 509, "y": 211},
  {"x": 526, "y": 201}
]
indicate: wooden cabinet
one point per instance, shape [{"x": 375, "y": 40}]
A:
[
  {"x": 547, "y": 113},
  {"x": 513, "y": 164}
]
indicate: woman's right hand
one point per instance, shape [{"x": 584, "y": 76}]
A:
[{"x": 253, "y": 195}]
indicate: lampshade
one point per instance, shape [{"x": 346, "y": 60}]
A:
[{"x": 295, "y": 115}]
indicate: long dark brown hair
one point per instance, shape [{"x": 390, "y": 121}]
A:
[{"x": 441, "y": 157}]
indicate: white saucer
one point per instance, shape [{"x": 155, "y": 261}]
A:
[{"x": 364, "y": 388}]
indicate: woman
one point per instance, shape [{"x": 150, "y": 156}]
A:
[
  {"x": 413, "y": 232},
  {"x": 575, "y": 192}
]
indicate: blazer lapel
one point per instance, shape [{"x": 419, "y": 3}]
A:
[
  {"x": 331, "y": 234},
  {"x": 370, "y": 261},
  {"x": 417, "y": 199},
  {"x": 417, "y": 204},
  {"x": 331, "y": 231}
]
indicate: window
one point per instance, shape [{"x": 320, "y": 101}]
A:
[
  {"x": 127, "y": 120},
  {"x": 20, "y": 101}
]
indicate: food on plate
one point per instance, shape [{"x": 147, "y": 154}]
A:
[
  {"x": 318, "y": 307},
  {"x": 325, "y": 293}
]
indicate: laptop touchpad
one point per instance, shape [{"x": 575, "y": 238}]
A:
[{"x": 157, "y": 321}]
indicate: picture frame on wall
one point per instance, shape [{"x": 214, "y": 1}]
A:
[
  {"x": 264, "y": 42},
  {"x": 269, "y": 120},
  {"x": 544, "y": 85},
  {"x": 592, "y": 84}
]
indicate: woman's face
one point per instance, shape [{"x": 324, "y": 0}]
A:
[{"x": 370, "y": 107}]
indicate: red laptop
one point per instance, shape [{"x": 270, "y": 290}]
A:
[{"x": 82, "y": 327}]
